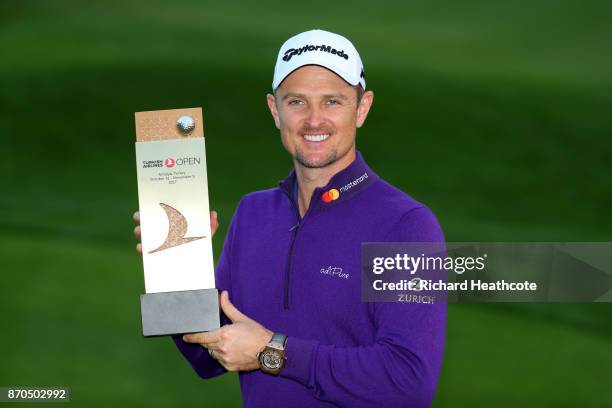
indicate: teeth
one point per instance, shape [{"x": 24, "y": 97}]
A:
[{"x": 316, "y": 138}]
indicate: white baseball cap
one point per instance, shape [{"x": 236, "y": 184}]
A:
[{"x": 319, "y": 47}]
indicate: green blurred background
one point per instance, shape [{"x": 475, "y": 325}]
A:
[{"x": 495, "y": 114}]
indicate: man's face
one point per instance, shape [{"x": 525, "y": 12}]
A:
[{"x": 317, "y": 114}]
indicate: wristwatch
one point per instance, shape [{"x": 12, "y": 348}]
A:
[{"x": 272, "y": 357}]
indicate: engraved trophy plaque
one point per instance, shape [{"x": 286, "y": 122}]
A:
[{"x": 175, "y": 224}]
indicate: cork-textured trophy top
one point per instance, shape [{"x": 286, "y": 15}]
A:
[{"x": 162, "y": 124}]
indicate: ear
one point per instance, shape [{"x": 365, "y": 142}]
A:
[
  {"x": 364, "y": 107},
  {"x": 273, "y": 110}
]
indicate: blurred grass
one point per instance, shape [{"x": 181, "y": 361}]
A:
[{"x": 495, "y": 114}]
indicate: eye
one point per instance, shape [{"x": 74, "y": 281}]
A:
[
  {"x": 333, "y": 102},
  {"x": 295, "y": 102}
]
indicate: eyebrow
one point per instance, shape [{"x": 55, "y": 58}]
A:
[
  {"x": 293, "y": 95},
  {"x": 298, "y": 95},
  {"x": 337, "y": 96}
]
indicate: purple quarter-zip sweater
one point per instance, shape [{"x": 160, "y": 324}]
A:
[{"x": 340, "y": 351}]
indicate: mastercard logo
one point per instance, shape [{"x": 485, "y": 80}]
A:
[{"x": 330, "y": 195}]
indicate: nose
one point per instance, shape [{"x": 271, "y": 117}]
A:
[{"x": 314, "y": 117}]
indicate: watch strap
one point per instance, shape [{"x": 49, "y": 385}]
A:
[{"x": 278, "y": 341}]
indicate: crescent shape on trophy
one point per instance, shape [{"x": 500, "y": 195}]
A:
[{"x": 177, "y": 228}]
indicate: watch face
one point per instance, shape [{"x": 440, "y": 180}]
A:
[{"x": 271, "y": 360}]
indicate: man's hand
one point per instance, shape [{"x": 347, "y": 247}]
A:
[
  {"x": 235, "y": 345},
  {"x": 214, "y": 224}
]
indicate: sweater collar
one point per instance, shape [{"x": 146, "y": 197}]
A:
[{"x": 343, "y": 185}]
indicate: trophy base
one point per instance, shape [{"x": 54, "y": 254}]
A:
[{"x": 188, "y": 311}]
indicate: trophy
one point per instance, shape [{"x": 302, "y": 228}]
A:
[{"x": 175, "y": 224}]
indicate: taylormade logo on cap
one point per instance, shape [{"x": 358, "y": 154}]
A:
[
  {"x": 326, "y": 48},
  {"x": 318, "y": 47}
]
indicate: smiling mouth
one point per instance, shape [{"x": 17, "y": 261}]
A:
[{"x": 316, "y": 138}]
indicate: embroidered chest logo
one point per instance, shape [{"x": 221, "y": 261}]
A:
[
  {"x": 330, "y": 195},
  {"x": 334, "y": 272},
  {"x": 333, "y": 194}
]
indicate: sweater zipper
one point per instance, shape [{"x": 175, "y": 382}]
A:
[
  {"x": 295, "y": 228},
  {"x": 290, "y": 264}
]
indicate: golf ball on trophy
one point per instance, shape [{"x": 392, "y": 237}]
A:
[{"x": 185, "y": 124}]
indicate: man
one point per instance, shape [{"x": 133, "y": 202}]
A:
[{"x": 291, "y": 258}]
